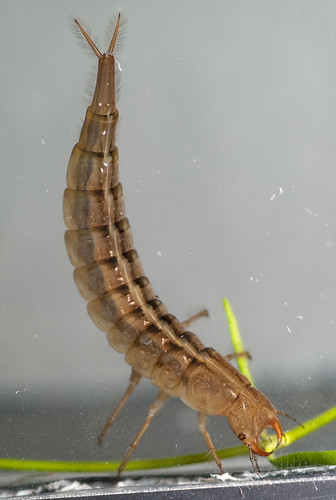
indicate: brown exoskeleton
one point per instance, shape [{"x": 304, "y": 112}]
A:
[{"x": 121, "y": 302}]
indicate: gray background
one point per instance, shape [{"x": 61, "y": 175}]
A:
[{"x": 227, "y": 159}]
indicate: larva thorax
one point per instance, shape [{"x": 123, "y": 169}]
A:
[{"x": 121, "y": 302}]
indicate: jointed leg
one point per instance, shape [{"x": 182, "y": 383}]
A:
[
  {"x": 201, "y": 421},
  {"x": 196, "y": 316},
  {"x": 237, "y": 355},
  {"x": 254, "y": 462},
  {"x": 157, "y": 404},
  {"x": 134, "y": 380}
]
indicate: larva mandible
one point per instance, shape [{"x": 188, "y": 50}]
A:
[{"x": 121, "y": 302}]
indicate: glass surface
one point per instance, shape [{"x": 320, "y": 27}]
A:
[{"x": 227, "y": 160}]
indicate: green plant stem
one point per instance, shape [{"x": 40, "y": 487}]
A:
[
  {"x": 301, "y": 459},
  {"x": 310, "y": 425},
  {"x": 154, "y": 463},
  {"x": 236, "y": 340}
]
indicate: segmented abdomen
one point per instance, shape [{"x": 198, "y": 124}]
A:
[{"x": 109, "y": 275}]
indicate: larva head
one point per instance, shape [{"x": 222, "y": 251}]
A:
[{"x": 249, "y": 416}]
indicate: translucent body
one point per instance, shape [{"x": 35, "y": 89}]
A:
[{"x": 121, "y": 302}]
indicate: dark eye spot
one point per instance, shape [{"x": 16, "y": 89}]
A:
[{"x": 242, "y": 436}]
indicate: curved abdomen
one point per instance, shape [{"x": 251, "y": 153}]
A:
[{"x": 109, "y": 274}]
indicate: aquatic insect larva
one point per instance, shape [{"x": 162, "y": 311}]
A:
[{"x": 121, "y": 302}]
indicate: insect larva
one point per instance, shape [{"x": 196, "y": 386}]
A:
[{"x": 121, "y": 302}]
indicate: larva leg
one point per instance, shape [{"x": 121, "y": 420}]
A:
[
  {"x": 156, "y": 406},
  {"x": 196, "y": 316},
  {"x": 134, "y": 380},
  {"x": 201, "y": 421},
  {"x": 237, "y": 355},
  {"x": 254, "y": 462}
]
